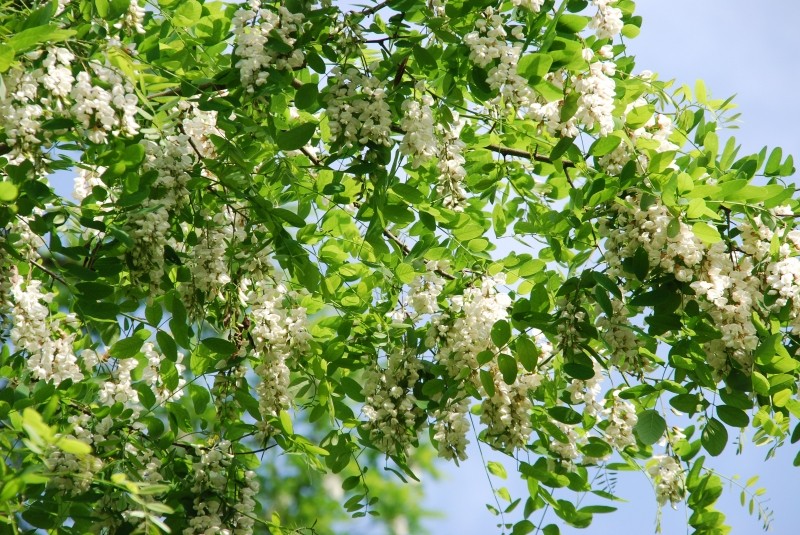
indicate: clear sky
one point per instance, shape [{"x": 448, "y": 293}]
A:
[{"x": 736, "y": 46}]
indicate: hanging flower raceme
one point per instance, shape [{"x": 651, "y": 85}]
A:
[
  {"x": 357, "y": 108},
  {"x": 254, "y": 29}
]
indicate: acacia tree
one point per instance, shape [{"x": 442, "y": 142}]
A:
[{"x": 311, "y": 246}]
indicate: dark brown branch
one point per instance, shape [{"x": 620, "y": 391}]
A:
[
  {"x": 508, "y": 151},
  {"x": 374, "y": 9},
  {"x": 49, "y": 272}
]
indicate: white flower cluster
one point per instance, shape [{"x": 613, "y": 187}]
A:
[
  {"x": 548, "y": 114},
  {"x": 357, "y": 108},
  {"x": 253, "y": 29},
  {"x": 48, "y": 359},
  {"x": 463, "y": 332},
  {"x": 278, "y": 334},
  {"x": 208, "y": 263},
  {"x": 451, "y": 166},
  {"x": 489, "y": 43},
  {"x": 212, "y": 508},
  {"x": 622, "y": 341},
  {"x": 120, "y": 388},
  {"x": 419, "y": 141},
  {"x": 566, "y": 447},
  {"x": 596, "y": 100},
  {"x": 607, "y": 22},
  {"x": 506, "y": 414},
  {"x": 466, "y": 328},
  {"x": 151, "y": 375},
  {"x": 390, "y": 406},
  {"x": 531, "y": 5},
  {"x": 669, "y": 479},
  {"x": 731, "y": 294},
  {"x": 648, "y": 228},
  {"x": 70, "y": 473},
  {"x": 450, "y": 430},
  {"x": 425, "y": 289},
  {"x": 100, "y": 111},
  {"x": 586, "y": 392},
  {"x": 86, "y": 180},
  {"x": 200, "y": 125},
  {"x": 568, "y": 338},
  {"x": 35, "y": 94},
  {"x": 621, "y": 418},
  {"x": 655, "y": 133},
  {"x": 150, "y": 229},
  {"x": 133, "y": 18}
]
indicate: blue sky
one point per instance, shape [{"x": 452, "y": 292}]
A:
[{"x": 736, "y": 46}]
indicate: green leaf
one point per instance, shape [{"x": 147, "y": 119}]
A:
[
  {"x": 200, "y": 398},
  {"x": 501, "y": 333},
  {"x": 126, "y": 348},
  {"x": 27, "y": 39},
  {"x": 8, "y": 192},
  {"x": 527, "y": 352},
  {"x": 714, "y": 437},
  {"x": 508, "y": 367},
  {"x": 733, "y": 416},
  {"x": 650, "y": 426},
  {"x": 706, "y": 233},
  {"x": 774, "y": 162},
  {"x": 497, "y": 469},
  {"x": 73, "y": 446},
  {"x": 487, "y": 381},
  {"x": 565, "y": 415},
  {"x": 219, "y": 346},
  {"x": 605, "y": 145},
  {"x": 534, "y": 66},
  {"x": 297, "y": 137},
  {"x": 6, "y": 57},
  {"x": 307, "y": 97},
  {"x": 187, "y": 14}
]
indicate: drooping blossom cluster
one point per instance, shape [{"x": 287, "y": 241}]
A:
[
  {"x": 621, "y": 418},
  {"x": 607, "y": 22},
  {"x": 32, "y": 331},
  {"x": 658, "y": 128},
  {"x": 214, "y": 509},
  {"x": 730, "y": 294},
  {"x": 208, "y": 262},
  {"x": 51, "y": 90},
  {"x": 622, "y": 340},
  {"x": 278, "y": 333},
  {"x": 506, "y": 413},
  {"x": 451, "y": 166},
  {"x": 119, "y": 388},
  {"x": 462, "y": 333},
  {"x": 596, "y": 100},
  {"x": 419, "y": 141},
  {"x": 172, "y": 157},
  {"x": 133, "y": 19},
  {"x": 532, "y": 5},
  {"x": 669, "y": 479},
  {"x": 390, "y": 406},
  {"x": 450, "y": 430},
  {"x": 357, "y": 108},
  {"x": 152, "y": 376},
  {"x": 678, "y": 252},
  {"x": 425, "y": 289},
  {"x": 465, "y": 330},
  {"x": 489, "y": 43},
  {"x": 253, "y": 29}
]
